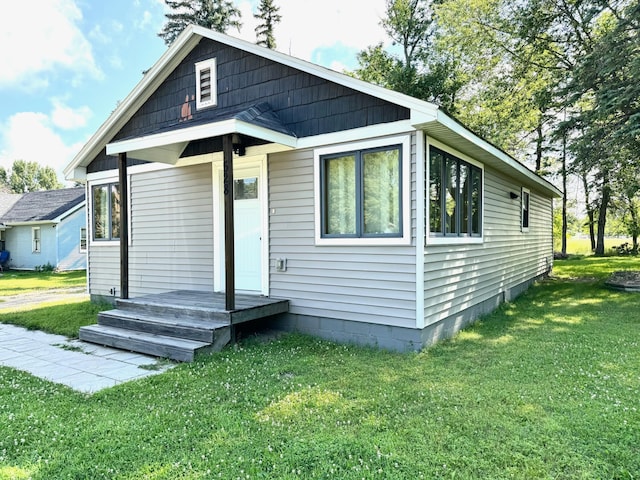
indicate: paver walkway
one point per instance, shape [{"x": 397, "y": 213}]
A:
[{"x": 82, "y": 366}]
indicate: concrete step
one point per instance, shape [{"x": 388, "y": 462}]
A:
[
  {"x": 187, "y": 328},
  {"x": 183, "y": 350}
]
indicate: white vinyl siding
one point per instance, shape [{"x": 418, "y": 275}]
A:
[
  {"x": 458, "y": 277},
  {"x": 171, "y": 243},
  {"x": 171, "y": 230},
  {"x": 371, "y": 283}
]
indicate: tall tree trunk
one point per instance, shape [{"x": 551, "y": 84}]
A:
[
  {"x": 602, "y": 214},
  {"x": 564, "y": 195},
  {"x": 539, "y": 139},
  {"x": 590, "y": 211}
]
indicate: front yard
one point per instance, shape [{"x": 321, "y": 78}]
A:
[{"x": 546, "y": 387}]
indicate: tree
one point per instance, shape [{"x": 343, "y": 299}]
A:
[
  {"x": 420, "y": 71},
  {"x": 30, "y": 177},
  {"x": 218, "y": 15},
  {"x": 268, "y": 14}
]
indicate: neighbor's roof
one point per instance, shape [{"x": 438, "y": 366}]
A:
[
  {"x": 43, "y": 206},
  {"x": 7, "y": 200},
  {"x": 425, "y": 116}
]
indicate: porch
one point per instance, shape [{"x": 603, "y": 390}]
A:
[{"x": 178, "y": 324}]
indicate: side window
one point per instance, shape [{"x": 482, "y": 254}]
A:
[
  {"x": 525, "y": 203},
  {"x": 83, "y": 239},
  {"x": 455, "y": 196},
  {"x": 106, "y": 211},
  {"x": 35, "y": 240},
  {"x": 361, "y": 193}
]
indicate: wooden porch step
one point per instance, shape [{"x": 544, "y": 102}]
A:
[
  {"x": 158, "y": 308},
  {"x": 180, "y": 349},
  {"x": 187, "y": 328}
]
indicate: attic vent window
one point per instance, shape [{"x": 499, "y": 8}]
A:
[{"x": 206, "y": 84}]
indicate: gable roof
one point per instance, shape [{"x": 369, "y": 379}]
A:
[
  {"x": 49, "y": 205},
  {"x": 7, "y": 200},
  {"x": 161, "y": 146}
]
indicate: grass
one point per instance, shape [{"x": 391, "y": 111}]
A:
[
  {"x": 15, "y": 282},
  {"x": 582, "y": 246},
  {"x": 64, "y": 317},
  {"x": 545, "y": 387}
]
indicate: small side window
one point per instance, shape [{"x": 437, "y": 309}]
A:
[
  {"x": 206, "y": 84},
  {"x": 524, "y": 218},
  {"x": 83, "y": 239},
  {"x": 35, "y": 240}
]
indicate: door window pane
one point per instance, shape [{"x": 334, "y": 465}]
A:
[{"x": 245, "y": 188}]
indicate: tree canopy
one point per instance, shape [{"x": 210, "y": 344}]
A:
[
  {"x": 552, "y": 82},
  {"x": 218, "y": 15},
  {"x": 269, "y": 17},
  {"x": 27, "y": 177}
]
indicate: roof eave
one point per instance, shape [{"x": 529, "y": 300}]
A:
[
  {"x": 490, "y": 154},
  {"x": 76, "y": 170}
]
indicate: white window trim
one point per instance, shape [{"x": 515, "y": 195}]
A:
[
  {"x": 211, "y": 65},
  {"x": 33, "y": 240},
  {"x": 86, "y": 240},
  {"x": 439, "y": 239},
  {"x": 102, "y": 180},
  {"x": 405, "y": 239},
  {"x": 524, "y": 190}
]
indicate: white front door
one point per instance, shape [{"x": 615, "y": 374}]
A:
[
  {"x": 250, "y": 230},
  {"x": 247, "y": 218}
]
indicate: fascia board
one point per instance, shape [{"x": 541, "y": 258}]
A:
[
  {"x": 317, "y": 70},
  {"x": 495, "y": 152},
  {"x": 71, "y": 211},
  {"x": 183, "y": 136},
  {"x": 136, "y": 98}
]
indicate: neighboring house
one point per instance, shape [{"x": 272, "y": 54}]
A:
[
  {"x": 379, "y": 217},
  {"x": 46, "y": 228}
]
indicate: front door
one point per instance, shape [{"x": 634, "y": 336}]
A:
[{"x": 248, "y": 229}]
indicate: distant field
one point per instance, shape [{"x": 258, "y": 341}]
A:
[{"x": 582, "y": 246}]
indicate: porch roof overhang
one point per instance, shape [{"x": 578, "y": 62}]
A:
[{"x": 168, "y": 147}]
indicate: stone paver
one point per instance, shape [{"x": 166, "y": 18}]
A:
[{"x": 82, "y": 366}]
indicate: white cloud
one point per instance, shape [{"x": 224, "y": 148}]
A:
[
  {"x": 30, "y": 136},
  {"x": 68, "y": 118},
  {"x": 38, "y": 38}
]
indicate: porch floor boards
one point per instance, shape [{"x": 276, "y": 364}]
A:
[
  {"x": 177, "y": 324},
  {"x": 247, "y": 307}
]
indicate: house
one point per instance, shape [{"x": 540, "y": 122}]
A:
[
  {"x": 377, "y": 216},
  {"x": 46, "y": 228}
]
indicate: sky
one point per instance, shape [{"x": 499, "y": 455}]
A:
[{"x": 67, "y": 63}]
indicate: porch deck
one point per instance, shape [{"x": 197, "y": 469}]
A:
[
  {"x": 177, "y": 324},
  {"x": 212, "y": 305}
]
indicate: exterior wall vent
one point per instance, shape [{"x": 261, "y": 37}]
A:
[{"x": 206, "y": 84}]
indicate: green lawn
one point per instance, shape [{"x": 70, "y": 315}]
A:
[
  {"x": 13, "y": 282},
  {"x": 64, "y": 317},
  {"x": 546, "y": 387}
]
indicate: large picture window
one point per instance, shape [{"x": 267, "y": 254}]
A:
[
  {"x": 361, "y": 193},
  {"x": 106, "y": 211},
  {"x": 455, "y": 196}
]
